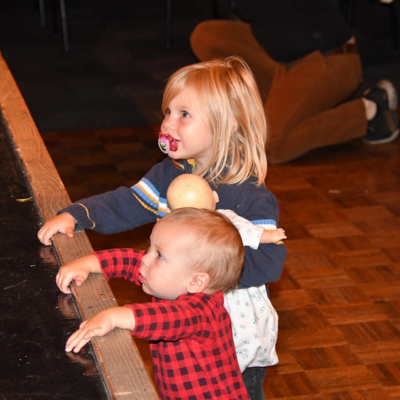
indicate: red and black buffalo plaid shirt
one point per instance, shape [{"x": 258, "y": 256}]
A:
[{"x": 190, "y": 338}]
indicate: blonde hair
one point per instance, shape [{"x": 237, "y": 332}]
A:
[
  {"x": 227, "y": 94},
  {"x": 217, "y": 246}
]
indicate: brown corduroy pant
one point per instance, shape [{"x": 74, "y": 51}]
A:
[{"x": 304, "y": 100}]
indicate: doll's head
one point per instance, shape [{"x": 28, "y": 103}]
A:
[
  {"x": 189, "y": 190},
  {"x": 228, "y": 98}
]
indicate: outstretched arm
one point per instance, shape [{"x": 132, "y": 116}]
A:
[
  {"x": 99, "y": 325},
  {"x": 78, "y": 271}
]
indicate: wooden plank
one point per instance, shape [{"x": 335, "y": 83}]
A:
[
  {"x": 116, "y": 354},
  {"x": 354, "y": 377}
]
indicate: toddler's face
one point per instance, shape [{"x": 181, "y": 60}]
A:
[
  {"x": 186, "y": 123},
  {"x": 165, "y": 270}
]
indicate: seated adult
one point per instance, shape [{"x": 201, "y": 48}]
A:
[{"x": 306, "y": 64}]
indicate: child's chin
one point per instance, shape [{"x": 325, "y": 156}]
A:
[
  {"x": 174, "y": 155},
  {"x": 146, "y": 289}
]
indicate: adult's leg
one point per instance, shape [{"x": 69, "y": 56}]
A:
[
  {"x": 337, "y": 125},
  {"x": 222, "y": 38},
  {"x": 303, "y": 106}
]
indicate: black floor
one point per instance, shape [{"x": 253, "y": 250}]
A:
[
  {"x": 36, "y": 319},
  {"x": 117, "y": 63}
]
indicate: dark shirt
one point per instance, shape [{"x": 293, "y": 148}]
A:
[{"x": 291, "y": 29}]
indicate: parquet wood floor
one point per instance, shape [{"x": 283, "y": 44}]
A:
[{"x": 339, "y": 296}]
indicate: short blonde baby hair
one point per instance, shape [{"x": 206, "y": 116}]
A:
[{"x": 217, "y": 247}]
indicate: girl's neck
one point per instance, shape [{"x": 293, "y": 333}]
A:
[{"x": 198, "y": 169}]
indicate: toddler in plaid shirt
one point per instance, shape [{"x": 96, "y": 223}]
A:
[{"x": 187, "y": 271}]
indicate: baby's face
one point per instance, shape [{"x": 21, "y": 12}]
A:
[{"x": 165, "y": 270}]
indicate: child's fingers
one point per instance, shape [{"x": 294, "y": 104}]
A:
[
  {"x": 76, "y": 341},
  {"x": 63, "y": 223},
  {"x": 73, "y": 340},
  {"x": 78, "y": 281},
  {"x": 64, "y": 289},
  {"x": 43, "y": 236},
  {"x": 63, "y": 283},
  {"x": 59, "y": 280},
  {"x": 81, "y": 337},
  {"x": 77, "y": 348},
  {"x": 83, "y": 323},
  {"x": 69, "y": 232},
  {"x": 64, "y": 279},
  {"x": 40, "y": 233}
]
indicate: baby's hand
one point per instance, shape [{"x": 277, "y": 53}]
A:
[
  {"x": 77, "y": 270},
  {"x": 63, "y": 223},
  {"x": 98, "y": 325},
  {"x": 278, "y": 235}
]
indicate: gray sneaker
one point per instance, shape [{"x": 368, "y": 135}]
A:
[{"x": 384, "y": 127}]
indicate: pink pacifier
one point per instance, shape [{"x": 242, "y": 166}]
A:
[{"x": 167, "y": 143}]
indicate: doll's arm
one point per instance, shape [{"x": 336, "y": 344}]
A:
[
  {"x": 273, "y": 236},
  {"x": 252, "y": 235}
]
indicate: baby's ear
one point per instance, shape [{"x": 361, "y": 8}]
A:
[{"x": 199, "y": 282}]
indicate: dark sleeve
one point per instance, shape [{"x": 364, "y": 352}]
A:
[
  {"x": 120, "y": 263},
  {"x": 125, "y": 208},
  {"x": 110, "y": 212},
  {"x": 263, "y": 265},
  {"x": 259, "y": 206}
]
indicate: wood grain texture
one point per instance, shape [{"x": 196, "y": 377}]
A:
[
  {"x": 117, "y": 356},
  {"x": 338, "y": 300}
]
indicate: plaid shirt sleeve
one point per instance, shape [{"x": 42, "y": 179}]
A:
[
  {"x": 189, "y": 317},
  {"x": 120, "y": 263}
]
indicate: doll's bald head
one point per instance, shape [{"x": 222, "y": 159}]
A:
[{"x": 190, "y": 190}]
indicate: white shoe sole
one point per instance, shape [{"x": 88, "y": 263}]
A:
[{"x": 391, "y": 92}]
